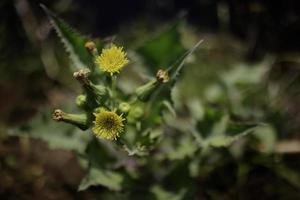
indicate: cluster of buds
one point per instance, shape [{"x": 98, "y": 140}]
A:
[{"x": 103, "y": 109}]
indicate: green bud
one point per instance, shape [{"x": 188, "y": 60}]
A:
[
  {"x": 124, "y": 107},
  {"x": 79, "y": 120},
  {"x": 81, "y": 101},
  {"x": 91, "y": 47}
]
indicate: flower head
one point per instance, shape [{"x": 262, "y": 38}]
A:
[
  {"x": 112, "y": 59},
  {"x": 108, "y": 125}
]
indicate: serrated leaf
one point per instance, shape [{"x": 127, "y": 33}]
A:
[
  {"x": 72, "y": 40},
  {"x": 106, "y": 178}
]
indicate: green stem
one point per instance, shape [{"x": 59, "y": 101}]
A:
[{"x": 113, "y": 91}]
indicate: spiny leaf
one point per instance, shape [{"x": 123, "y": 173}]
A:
[{"x": 72, "y": 40}]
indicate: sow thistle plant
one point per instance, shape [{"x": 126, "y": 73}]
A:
[
  {"x": 122, "y": 124},
  {"x": 105, "y": 112},
  {"x": 131, "y": 121}
]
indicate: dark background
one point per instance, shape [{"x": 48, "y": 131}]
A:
[
  {"x": 264, "y": 27},
  {"x": 26, "y": 84}
]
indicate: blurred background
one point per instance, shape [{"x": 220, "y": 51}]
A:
[{"x": 252, "y": 46}]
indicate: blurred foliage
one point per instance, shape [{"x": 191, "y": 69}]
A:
[{"x": 224, "y": 132}]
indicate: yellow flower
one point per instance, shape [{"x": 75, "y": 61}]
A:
[
  {"x": 108, "y": 125},
  {"x": 112, "y": 59}
]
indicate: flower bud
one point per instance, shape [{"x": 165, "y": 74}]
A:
[
  {"x": 82, "y": 75},
  {"x": 79, "y": 120},
  {"x": 124, "y": 107},
  {"x": 81, "y": 101},
  {"x": 91, "y": 47},
  {"x": 162, "y": 76}
]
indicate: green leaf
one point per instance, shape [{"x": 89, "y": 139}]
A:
[
  {"x": 176, "y": 68},
  {"x": 184, "y": 148},
  {"x": 106, "y": 178},
  {"x": 288, "y": 174},
  {"x": 162, "y": 49},
  {"x": 98, "y": 154},
  {"x": 210, "y": 117},
  {"x": 174, "y": 71},
  {"x": 162, "y": 194},
  {"x": 225, "y": 140},
  {"x": 144, "y": 143},
  {"x": 169, "y": 108},
  {"x": 72, "y": 40},
  {"x": 267, "y": 137},
  {"x": 163, "y": 91}
]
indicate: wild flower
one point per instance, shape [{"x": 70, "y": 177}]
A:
[
  {"x": 108, "y": 125},
  {"x": 112, "y": 59}
]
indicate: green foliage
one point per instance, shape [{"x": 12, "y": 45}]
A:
[
  {"x": 161, "y": 194},
  {"x": 57, "y": 135},
  {"x": 171, "y": 139},
  {"x": 163, "y": 48},
  {"x": 95, "y": 177}
]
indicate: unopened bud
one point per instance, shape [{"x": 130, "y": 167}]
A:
[
  {"x": 79, "y": 120},
  {"x": 81, "y": 101},
  {"x": 58, "y": 115},
  {"x": 124, "y": 107},
  {"x": 82, "y": 75},
  {"x": 91, "y": 47},
  {"x": 162, "y": 76}
]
